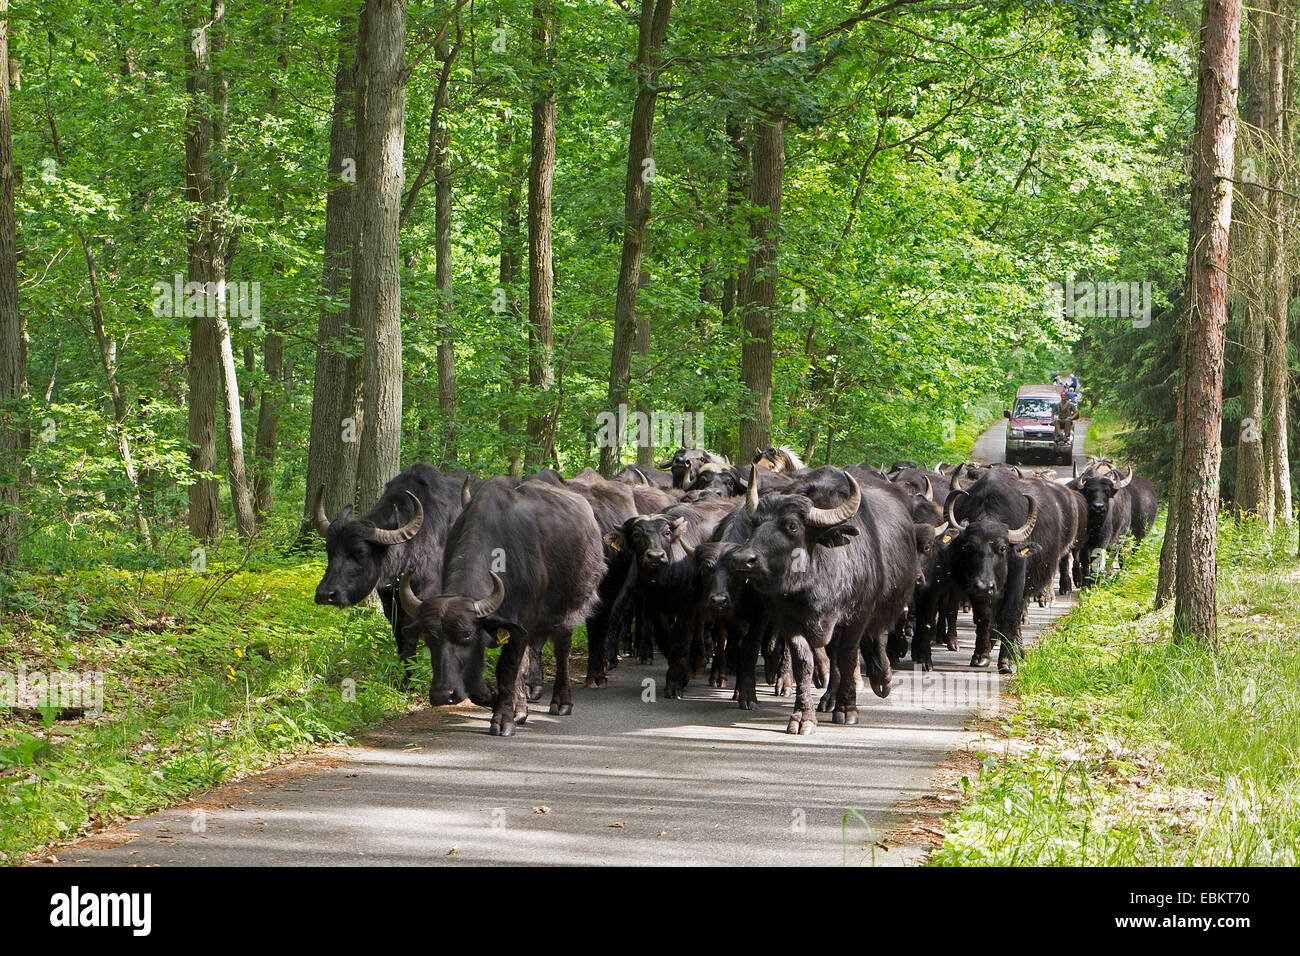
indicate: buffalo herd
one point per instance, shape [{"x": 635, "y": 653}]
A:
[{"x": 832, "y": 575}]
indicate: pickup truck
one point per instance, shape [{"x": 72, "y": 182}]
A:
[{"x": 1031, "y": 428}]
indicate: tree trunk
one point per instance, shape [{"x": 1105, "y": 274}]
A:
[
  {"x": 376, "y": 266},
  {"x": 108, "y": 361},
  {"x": 203, "y": 367},
  {"x": 508, "y": 275},
  {"x": 1251, "y": 484},
  {"x": 336, "y": 393},
  {"x": 645, "y": 445},
  {"x": 443, "y": 266},
  {"x": 541, "y": 276},
  {"x": 757, "y": 295},
  {"x": 13, "y": 350},
  {"x": 1195, "y": 601},
  {"x": 268, "y": 412},
  {"x": 241, "y": 496},
  {"x": 1281, "y": 32},
  {"x": 636, "y": 212}
]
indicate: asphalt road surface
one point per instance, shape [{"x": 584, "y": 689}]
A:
[{"x": 630, "y": 778}]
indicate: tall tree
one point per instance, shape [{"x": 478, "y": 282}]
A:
[
  {"x": 1281, "y": 36},
  {"x": 757, "y": 292},
  {"x": 336, "y": 393},
  {"x": 541, "y": 267},
  {"x": 376, "y": 264},
  {"x": 1196, "y": 576},
  {"x": 653, "y": 27},
  {"x": 13, "y": 348},
  {"x": 204, "y": 361}
]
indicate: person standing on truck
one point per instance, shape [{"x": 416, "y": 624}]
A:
[{"x": 1063, "y": 419}]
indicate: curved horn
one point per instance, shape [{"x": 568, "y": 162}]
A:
[
  {"x": 410, "y": 603},
  {"x": 406, "y": 532},
  {"x": 955, "y": 484},
  {"x": 464, "y": 493},
  {"x": 941, "y": 529},
  {"x": 485, "y": 606},
  {"x": 826, "y": 517},
  {"x": 1125, "y": 480},
  {"x": 321, "y": 519},
  {"x": 1021, "y": 534},
  {"x": 929, "y": 490},
  {"x": 751, "y": 493},
  {"x": 690, "y": 552},
  {"x": 950, "y": 507}
]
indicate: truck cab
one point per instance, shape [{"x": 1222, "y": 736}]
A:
[{"x": 1031, "y": 429}]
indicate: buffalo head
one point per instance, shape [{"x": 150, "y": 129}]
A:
[{"x": 356, "y": 549}]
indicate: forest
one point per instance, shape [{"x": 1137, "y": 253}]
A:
[{"x": 257, "y": 258}]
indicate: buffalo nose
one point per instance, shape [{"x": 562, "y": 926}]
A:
[
  {"x": 324, "y": 596},
  {"x": 719, "y": 600},
  {"x": 744, "y": 560},
  {"x": 656, "y": 557}
]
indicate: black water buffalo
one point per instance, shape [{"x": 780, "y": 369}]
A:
[
  {"x": 644, "y": 475},
  {"x": 523, "y": 564},
  {"x": 1006, "y": 537},
  {"x": 664, "y": 577},
  {"x": 612, "y": 503},
  {"x": 1118, "y": 505},
  {"x": 686, "y": 462},
  {"x": 830, "y": 576},
  {"x": 405, "y": 531},
  {"x": 779, "y": 459}
]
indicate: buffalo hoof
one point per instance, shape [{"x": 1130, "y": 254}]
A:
[
  {"x": 803, "y": 726},
  {"x": 534, "y": 692},
  {"x": 563, "y": 710},
  {"x": 953, "y": 643},
  {"x": 881, "y": 686},
  {"x": 826, "y": 704},
  {"x": 925, "y": 665},
  {"x": 717, "y": 682},
  {"x": 501, "y": 728},
  {"x": 841, "y": 716},
  {"x": 783, "y": 687},
  {"x": 979, "y": 660},
  {"x": 643, "y": 659},
  {"x": 596, "y": 682},
  {"x": 749, "y": 704},
  {"x": 1006, "y": 667},
  {"x": 521, "y": 716},
  {"x": 819, "y": 680}
]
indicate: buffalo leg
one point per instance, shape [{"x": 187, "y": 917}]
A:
[
  {"x": 505, "y": 710},
  {"x": 677, "y": 650},
  {"x": 534, "y": 679},
  {"x": 821, "y": 667},
  {"x": 597, "y": 652},
  {"x": 923, "y": 634},
  {"x": 983, "y": 638},
  {"x": 562, "y": 693},
  {"x": 718, "y": 672},
  {"x": 804, "y": 719},
  {"x": 747, "y": 668},
  {"x": 835, "y": 677}
]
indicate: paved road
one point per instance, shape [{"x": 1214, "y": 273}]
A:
[{"x": 624, "y": 780}]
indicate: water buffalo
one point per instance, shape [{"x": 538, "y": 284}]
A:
[
  {"x": 523, "y": 564},
  {"x": 404, "y": 532},
  {"x": 830, "y": 576}
]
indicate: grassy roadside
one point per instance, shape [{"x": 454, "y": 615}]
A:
[
  {"x": 202, "y": 681},
  {"x": 1127, "y": 749}
]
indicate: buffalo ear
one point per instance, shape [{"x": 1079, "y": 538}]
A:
[
  {"x": 502, "y": 631},
  {"x": 838, "y": 536},
  {"x": 1028, "y": 548},
  {"x": 614, "y": 539}
]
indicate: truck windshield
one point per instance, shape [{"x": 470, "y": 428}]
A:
[{"x": 1033, "y": 408}]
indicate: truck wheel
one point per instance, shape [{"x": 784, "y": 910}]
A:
[{"x": 1011, "y": 458}]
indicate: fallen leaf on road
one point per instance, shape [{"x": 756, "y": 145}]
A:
[
  {"x": 541, "y": 809},
  {"x": 453, "y": 852},
  {"x": 619, "y": 825}
]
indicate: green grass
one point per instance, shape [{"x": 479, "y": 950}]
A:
[
  {"x": 1104, "y": 435},
  {"x": 199, "y": 686},
  {"x": 1128, "y": 749}
]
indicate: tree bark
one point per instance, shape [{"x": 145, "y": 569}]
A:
[
  {"x": 508, "y": 275},
  {"x": 1281, "y": 32},
  {"x": 757, "y": 294},
  {"x": 541, "y": 275},
  {"x": 1251, "y": 482},
  {"x": 376, "y": 272},
  {"x": 13, "y": 334},
  {"x": 443, "y": 265},
  {"x": 1195, "y": 600},
  {"x": 241, "y": 496},
  {"x": 336, "y": 393},
  {"x": 203, "y": 367},
  {"x": 636, "y": 213}
]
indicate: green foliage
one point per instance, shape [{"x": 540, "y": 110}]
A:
[{"x": 1128, "y": 749}]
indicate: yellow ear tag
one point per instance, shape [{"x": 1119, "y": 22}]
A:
[{"x": 503, "y": 636}]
